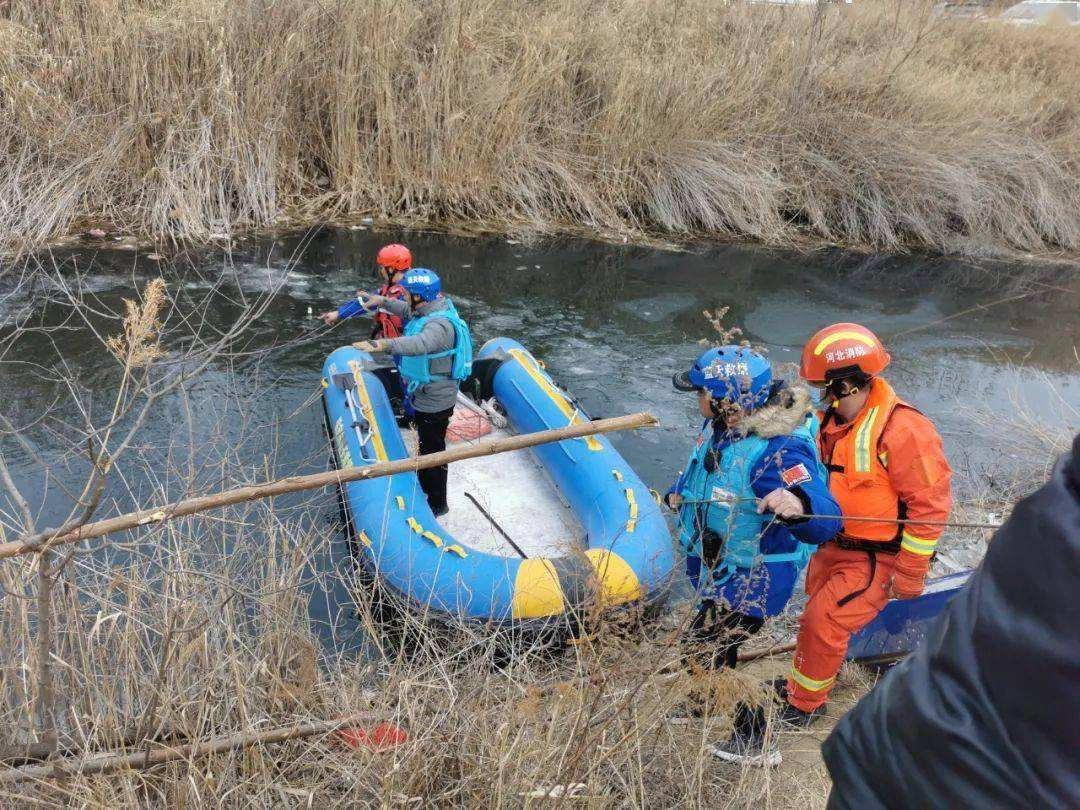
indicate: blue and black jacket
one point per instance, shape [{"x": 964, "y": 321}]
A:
[{"x": 762, "y": 556}]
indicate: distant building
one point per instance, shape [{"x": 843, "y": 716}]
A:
[{"x": 1043, "y": 12}]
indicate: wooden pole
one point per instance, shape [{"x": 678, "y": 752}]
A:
[
  {"x": 113, "y": 761},
  {"x": 14, "y": 754},
  {"x": 754, "y": 655},
  {"x": 269, "y": 489}
]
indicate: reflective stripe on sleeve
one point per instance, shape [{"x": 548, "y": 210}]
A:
[{"x": 917, "y": 545}]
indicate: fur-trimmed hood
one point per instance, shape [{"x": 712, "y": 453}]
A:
[{"x": 781, "y": 416}]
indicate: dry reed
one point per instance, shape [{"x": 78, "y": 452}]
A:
[
  {"x": 871, "y": 125},
  {"x": 201, "y": 628},
  {"x": 139, "y": 346}
]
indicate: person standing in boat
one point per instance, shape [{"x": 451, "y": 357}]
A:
[
  {"x": 391, "y": 263},
  {"x": 885, "y": 463},
  {"x": 434, "y": 354},
  {"x": 743, "y": 497}
]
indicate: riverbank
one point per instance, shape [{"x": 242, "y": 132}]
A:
[
  {"x": 248, "y": 618},
  {"x": 222, "y": 645},
  {"x": 875, "y": 125}
]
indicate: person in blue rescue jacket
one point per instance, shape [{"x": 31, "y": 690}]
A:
[
  {"x": 434, "y": 356},
  {"x": 752, "y": 476}
]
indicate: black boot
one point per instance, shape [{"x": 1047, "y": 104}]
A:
[{"x": 754, "y": 741}]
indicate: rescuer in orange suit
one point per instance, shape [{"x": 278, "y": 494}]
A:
[{"x": 885, "y": 461}]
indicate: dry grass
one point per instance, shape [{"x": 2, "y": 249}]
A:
[
  {"x": 197, "y": 630},
  {"x": 873, "y": 125}
]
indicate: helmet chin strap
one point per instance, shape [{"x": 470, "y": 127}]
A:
[{"x": 719, "y": 418}]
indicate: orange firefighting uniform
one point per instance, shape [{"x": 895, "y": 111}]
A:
[{"x": 887, "y": 463}]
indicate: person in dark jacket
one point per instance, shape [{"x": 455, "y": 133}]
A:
[{"x": 985, "y": 713}]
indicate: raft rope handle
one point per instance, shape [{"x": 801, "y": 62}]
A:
[
  {"x": 364, "y": 441},
  {"x": 427, "y": 534},
  {"x": 631, "y": 523},
  {"x": 367, "y": 409}
]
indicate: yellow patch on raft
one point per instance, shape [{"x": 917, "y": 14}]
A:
[
  {"x": 537, "y": 591},
  {"x": 568, "y": 410},
  {"x": 631, "y": 522},
  {"x": 618, "y": 582}
]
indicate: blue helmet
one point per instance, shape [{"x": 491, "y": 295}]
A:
[
  {"x": 422, "y": 282},
  {"x": 732, "y": 373}
]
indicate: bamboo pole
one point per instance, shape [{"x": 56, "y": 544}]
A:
[
  {"x": 269, "y": 489},
  {"x": 113, "y": 761}
]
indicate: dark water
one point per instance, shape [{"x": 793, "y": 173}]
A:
[{"x": 612, "y": 323}]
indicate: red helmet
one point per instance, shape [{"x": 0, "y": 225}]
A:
[
  {"x": 395, "y": 256},
  {"x": 841, "y": 350}
]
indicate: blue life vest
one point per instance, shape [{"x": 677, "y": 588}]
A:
[
  {"x": 732, "y": 511},
  {"x": 416, "y": 369}
]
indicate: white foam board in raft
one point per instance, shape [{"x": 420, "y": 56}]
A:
[{"x": 515, "y": 490}]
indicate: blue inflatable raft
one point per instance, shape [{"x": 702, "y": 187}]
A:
[
  {"x": 568, "y": 525},
  {"x": 902, "y": 624}
]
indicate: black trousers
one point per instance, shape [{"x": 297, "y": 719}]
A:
[
  {"x": 716, "y": 634},
  {"x": 431, "y": 430},
  {"x": 395, "y": 389}
]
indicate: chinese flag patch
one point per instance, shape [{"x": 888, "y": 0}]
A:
[{"x": 795, "y": 475}]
